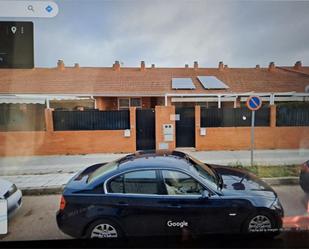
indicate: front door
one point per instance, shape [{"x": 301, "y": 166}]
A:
[
  {"x": 145, "y": 129},
  {"x": 185, "y": 127}
]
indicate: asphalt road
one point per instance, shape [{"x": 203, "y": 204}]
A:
[{"x": 36, "y": 218}]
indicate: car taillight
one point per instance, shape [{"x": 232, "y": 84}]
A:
[{"x": 62, "y": 203}]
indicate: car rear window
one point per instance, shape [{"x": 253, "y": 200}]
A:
[{"x": 104, "y": 169}]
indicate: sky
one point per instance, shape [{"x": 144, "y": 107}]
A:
[{"x": 174, "y": 33}]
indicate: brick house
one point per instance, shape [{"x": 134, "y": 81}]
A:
[{"x": 40, "y": 91}]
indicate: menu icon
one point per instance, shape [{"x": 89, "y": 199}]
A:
[{"x": 16, "y": 45}]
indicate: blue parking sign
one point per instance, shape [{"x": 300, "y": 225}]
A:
[{"x": 254, "y": 103}]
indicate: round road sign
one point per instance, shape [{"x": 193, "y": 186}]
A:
[{"x": 254, "y": 103}]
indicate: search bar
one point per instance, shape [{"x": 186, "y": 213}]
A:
[{"x": 28, "y": 9}]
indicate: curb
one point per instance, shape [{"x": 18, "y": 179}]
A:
[
  {"x": 282, "y": 180},
  {"x": 42, "y": 191},
  {"x": 59, "y": 189}
]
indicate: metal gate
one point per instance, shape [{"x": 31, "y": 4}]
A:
[
  {"x": 185, "y": 127},
  {"x": 145, "y": 129}
]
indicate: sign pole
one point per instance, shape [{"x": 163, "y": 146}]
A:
[
  {"x": 253, "y": 103},
  {"x": 252, "y": 135}
]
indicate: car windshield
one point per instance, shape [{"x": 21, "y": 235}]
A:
[
  {"x": 203, "y": 170},
  {"x": 104, "y": 169}
]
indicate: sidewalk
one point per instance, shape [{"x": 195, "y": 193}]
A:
[{"x": 54, "y": 171}]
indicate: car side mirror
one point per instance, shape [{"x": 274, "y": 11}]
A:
[{"x": 205, "y": 194}]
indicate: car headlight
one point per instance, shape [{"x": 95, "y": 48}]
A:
[
  {"x": 277, "y": 206},
  {"x": 12, "y": 189}
]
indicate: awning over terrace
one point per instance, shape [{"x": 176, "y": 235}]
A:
[
  {"x": 232, "y": 97},
  {"x": 21, "y": 100},
  {"x": 37, "y": 99}
]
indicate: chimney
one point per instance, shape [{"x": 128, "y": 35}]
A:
[
  {"x": 153, "y": 66},
  {"x": 298, "y": 65},
  {"x": 76, "y": 65},
  {"x": 257, "y": 66},
  {"x": 221, "y": 65},
  {"x": 142, "y": 65},
  {"x": 60, "y": 64},
  {"x": 195, "y": 65},
  {"x": 271, "y": 67},
  {"x": 226, "y": 67},
  {"x": 116, "y": 66},
  {"x": 186, "y": 66}
]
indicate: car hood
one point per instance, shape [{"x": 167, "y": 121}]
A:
[
  {"x": 238, "y": 181},
  {"x": 4, "y": 187}
]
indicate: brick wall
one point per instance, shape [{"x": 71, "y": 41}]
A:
[
  {"x": 107, "y": 103},
  {"x": 111, "y": 103},
  {"x": 238, "y": 138},
  {"x": 80, "y": 142},
  {"x": 146, "y": 102},
  {"x": 51, "y": 142},
  {"x": 64, "y": 142}
]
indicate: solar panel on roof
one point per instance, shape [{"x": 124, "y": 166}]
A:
[
  {"x": 211, "y": 82},
  {"x": 182, "y": 83}
]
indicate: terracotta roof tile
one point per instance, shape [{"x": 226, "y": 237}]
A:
[{"x": 156, "y": 81}]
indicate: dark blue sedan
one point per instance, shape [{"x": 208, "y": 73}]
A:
[{"x": 166, "y": 193}]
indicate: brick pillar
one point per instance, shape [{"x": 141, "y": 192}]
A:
[
  {"x": 164, "y": 115},
  {"x": 133, "y": 126},
  {"x": 273, "y": 115},
  {"x": 49, "y": 124},
  {"x": 197, "y": 125}
]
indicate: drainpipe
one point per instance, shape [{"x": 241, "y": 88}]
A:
[
  {"x": 272, "y": 99},
  {"x": 219, "y": 101},
  {"x": 95, "y": 102},
  {"x": 165, "y": 99},
  {"x": 47, "y": 103}
]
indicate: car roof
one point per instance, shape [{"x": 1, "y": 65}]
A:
[{"x": 154, "y": 159}]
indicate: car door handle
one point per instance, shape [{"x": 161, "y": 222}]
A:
[
  {"x": 174, "y": 206},
  {"x": 122, "y": 204}
]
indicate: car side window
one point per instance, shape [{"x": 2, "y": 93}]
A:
[
  {"x": 177, "y": 183},
  {"x": 136, "y": 182},
  {"x": 116, "y": 185}
]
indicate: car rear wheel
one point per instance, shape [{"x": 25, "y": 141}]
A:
[{"x": 104, "y": 229}]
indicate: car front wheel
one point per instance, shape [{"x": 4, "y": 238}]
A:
[{"x": 261, "y": 223}]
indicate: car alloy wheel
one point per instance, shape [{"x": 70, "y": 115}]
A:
[
  {"x": 259, "y": 223},
  {"x": 104, "y": 231}
]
